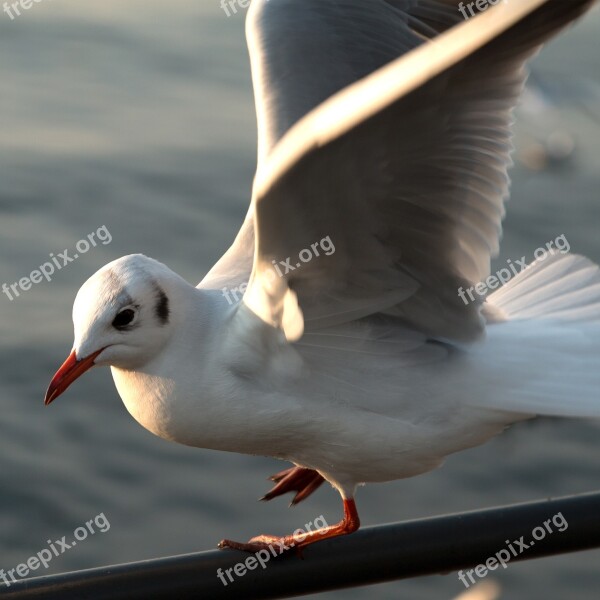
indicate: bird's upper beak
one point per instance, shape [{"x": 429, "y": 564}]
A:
[{"x": 70, "y": 370}]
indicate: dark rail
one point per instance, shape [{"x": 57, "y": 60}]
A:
[{"x": 437, "y": 545}]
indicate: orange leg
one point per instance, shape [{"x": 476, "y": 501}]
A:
[{"x": 348, "y": 524}]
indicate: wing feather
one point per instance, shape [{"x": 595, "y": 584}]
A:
[{"x": 385, "y": 126}]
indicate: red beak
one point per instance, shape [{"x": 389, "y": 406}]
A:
[{"x": 71, "y": 370}]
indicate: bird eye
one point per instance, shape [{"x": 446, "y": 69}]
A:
[{"x": 123, "y": 318}]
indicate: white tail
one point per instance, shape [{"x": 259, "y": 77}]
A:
[
  {"x": 542, "y": 353},
  {"x": 563, "y": 287}
]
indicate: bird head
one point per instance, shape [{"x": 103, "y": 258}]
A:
[{"x": 122, "y": 318}]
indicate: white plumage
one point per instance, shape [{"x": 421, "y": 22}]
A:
[{"x": 362, "y": 364}]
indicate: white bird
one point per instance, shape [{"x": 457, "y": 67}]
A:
[{"x": 384, "y": 145}]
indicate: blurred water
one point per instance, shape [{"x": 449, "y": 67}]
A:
[{"x": 139, "y": 116}]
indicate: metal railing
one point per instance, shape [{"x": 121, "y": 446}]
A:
[{"x": 441, "y": 545}]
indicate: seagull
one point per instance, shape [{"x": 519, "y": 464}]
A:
[{"x": 346, "y": 330}]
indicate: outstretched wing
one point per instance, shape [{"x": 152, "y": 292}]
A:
[
  {"x": 404, "y": 171},
  {"x": 302, "y": 53}
]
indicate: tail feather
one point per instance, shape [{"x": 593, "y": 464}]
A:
[
  {"x": 563, "y": 288},
  {"x": 542, "y": 353}
]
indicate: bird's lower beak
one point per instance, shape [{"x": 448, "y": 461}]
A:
[{"x": 71, "y": 370}]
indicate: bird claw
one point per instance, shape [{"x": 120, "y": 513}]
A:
[
  {"x": 296, "y": 479},
  {"x": 347, "y": 525},
  {"x": 260, "y": 542}
]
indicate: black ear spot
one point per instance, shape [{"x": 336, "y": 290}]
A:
[{"x": 162, "y": 306}]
